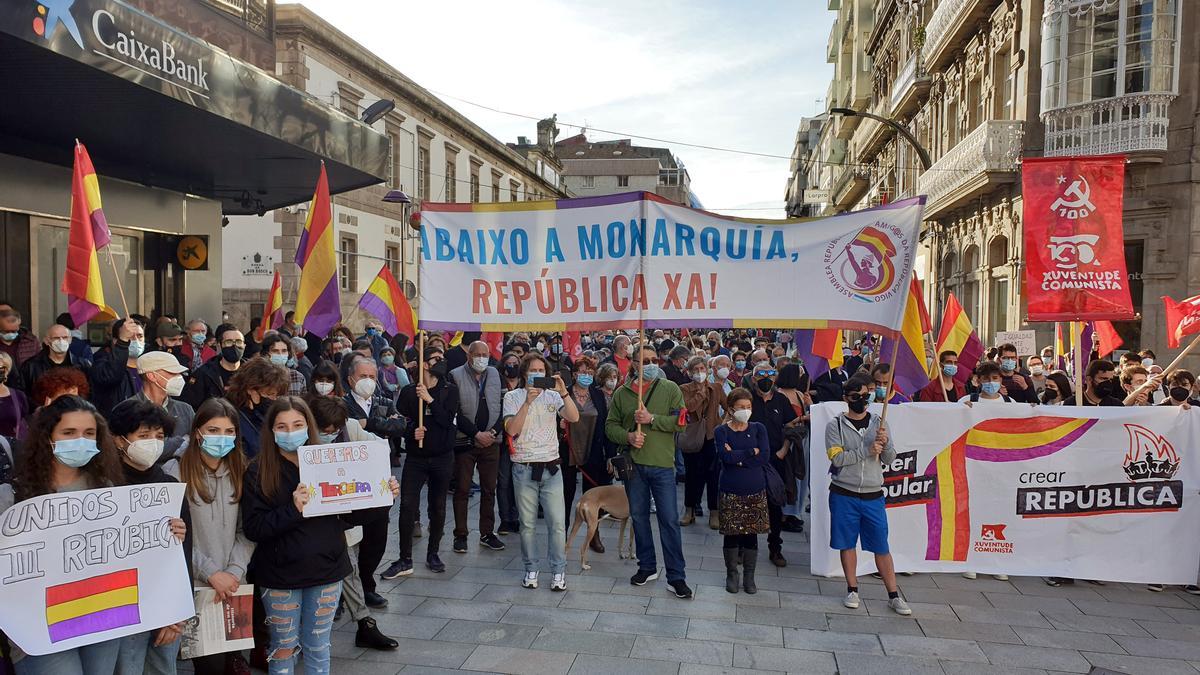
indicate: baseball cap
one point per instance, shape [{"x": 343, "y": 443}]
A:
[
  {"x": 152, "y": 361},
  {"x": 168, "y": 330}
]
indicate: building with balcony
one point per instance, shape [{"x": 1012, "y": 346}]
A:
[
  {"x": 593, "y": 168},
  {"x": 433, "y": 154},
  {"x": 805, "y": 196}
]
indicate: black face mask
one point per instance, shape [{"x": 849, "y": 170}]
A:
[
  {"x": 439, "y": 369},
  {"x": 232, "y": 354},
  {"x": 1179, "y": 394},
  {"x": 857, "y": 407},
  {"x": 765, "y": 385},
  {"x": 1049, "y": 396},
  {"x": 1105, "y": 389},
  {"x": 512, "y": 370}
]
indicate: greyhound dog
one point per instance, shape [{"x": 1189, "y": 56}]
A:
[{"x": 612, "y": 499}]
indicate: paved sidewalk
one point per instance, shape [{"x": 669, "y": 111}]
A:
[{"x": 477, "y": 617}]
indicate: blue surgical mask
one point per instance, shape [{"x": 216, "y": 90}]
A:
[
  {"x": 199, "y": 338},
  {"x": 949, "y": 369},
  {"x": 291, "y": 362},
  {"x": 990, "y": 388},
  {"x": 387, "y": 360},
  {"x": 76, "y": 452},
  {"x": 136, "y": 347},
  {"x": 372, "y": 332},
  {"x": 880, "y": 393},
  {"x": 279, "y": 359},
  {"x": 217, "y": 446},
  {"x": 328, "y": 438},
  {"x": 290, "y": 441},
  {"x": 9, "y": 337},
  {"x": 1008, "y": 365},
  {"x": 739, "y": 365},
  {"x": 585, "y": 380},
  {"x": 651, "y": 371}
]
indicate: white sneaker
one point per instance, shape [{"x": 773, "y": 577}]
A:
[
  {"x": 558, "y": 583},
  {"x": 899, "y": 606},
  {"x": 851, "y": 601},
  {"x": 1000, "y": 577},
  {"x": 530, "y": 580},
  {"x": 969, "y": 575}
]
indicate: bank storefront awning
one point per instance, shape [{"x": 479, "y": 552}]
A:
[{"x": 159, "y": 107}]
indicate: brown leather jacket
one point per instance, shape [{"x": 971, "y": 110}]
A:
[{"x": 703, "y": 401}]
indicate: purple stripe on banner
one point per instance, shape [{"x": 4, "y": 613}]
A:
[
  {"x": 326, "y": 310},
  {"x": 96, "y": 622},
  {"x": 602, "y": 200},
  {"x": 994, "y": 455},
  {"x": 933, "y": 518},
  {"x": 424, "y": 324},
  {"x": 691, "y": 324}
]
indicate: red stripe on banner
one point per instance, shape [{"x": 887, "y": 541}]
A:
[
  {"x": 962, "y": 499},
  {"x": 1025, "y": 426},
  {"x": 56, "y": 595}
]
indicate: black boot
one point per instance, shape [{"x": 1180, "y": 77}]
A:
[
  {"x": 369, "y": 637},
  {"x": 732, "y": 581},
  {"x": 749, "y": 563}
]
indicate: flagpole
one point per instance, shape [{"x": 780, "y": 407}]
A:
[
  {"x": 421, "y": 380},
  {"x": 641, "y": 312},
  {"x": 117, "y": 276},
  {"x": 895, "y": 354},
  {"x": 1186, "y": 350},
  {"x": 1077, "y": 340}
]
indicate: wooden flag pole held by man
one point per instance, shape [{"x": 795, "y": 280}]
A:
[{"x": 421, "y": 380}]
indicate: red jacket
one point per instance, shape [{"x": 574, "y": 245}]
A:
[
  {"x": 935, "y": 393},
  {"x": 187, "y": 350}
]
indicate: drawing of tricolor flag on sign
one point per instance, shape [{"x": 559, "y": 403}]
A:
[
  {"x": 93, "y": 605},
  {"x": 999, "y": 440}
]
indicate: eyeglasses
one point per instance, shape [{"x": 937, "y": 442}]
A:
[
  {"x": 857, "y": 397},
  {"x": 233, "y": 343}
]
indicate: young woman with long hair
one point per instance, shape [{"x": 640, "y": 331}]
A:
[
  {"x": 299, "y": 563},
  {"x": 212, "y": 467}
]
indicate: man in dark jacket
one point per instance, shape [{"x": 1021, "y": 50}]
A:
[
  {"x": 676, "y": 366},
  {"x": 209, "y": 380},
  {"x": 429, "y": 442},
  {"x": 56, "y": 353},
  {"x": 114, "y": 375}
]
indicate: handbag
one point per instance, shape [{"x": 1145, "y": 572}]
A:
[
  {"x": 692, "y": 438},
  {"x": 776, "y": 493}
]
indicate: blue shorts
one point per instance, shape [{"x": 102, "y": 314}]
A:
[{"x": 851, "y": 518}]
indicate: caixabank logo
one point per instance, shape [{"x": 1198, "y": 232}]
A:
[
  {"x": 1149, "y": 466},
  {"x": 50, "y": 14}
]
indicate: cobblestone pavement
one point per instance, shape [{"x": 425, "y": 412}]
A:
[{"x": 476, "y": 617}]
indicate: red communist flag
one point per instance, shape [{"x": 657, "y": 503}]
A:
[
  {"x": 1183, "y": 318},
  {"x": 1074, "y": 241}
]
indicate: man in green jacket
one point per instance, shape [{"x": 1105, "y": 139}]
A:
[{"x": 643, "y": 417}]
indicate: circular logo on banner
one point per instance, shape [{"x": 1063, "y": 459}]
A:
[
  {"x": 865, "y": 266},
  {"x": 192, "y": 253}
]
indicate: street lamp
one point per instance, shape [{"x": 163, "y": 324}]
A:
[{"x": 922, "y": 153}]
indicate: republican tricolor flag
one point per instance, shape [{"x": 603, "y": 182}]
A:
[
  {"x": 958, "y": 335},
  {"x": 385, "y": 301},
  {"x": 89, "y": 233},
  {"x": 318, "y": 307},
  {"x": 272, "y": 317}
]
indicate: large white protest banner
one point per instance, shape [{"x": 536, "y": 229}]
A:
[
  {"x": 1089, "y": 493},
  {"x": 82, "y": 567},
  {"x": 620, "y": 260},
  {"x": 345, "y": 477}
]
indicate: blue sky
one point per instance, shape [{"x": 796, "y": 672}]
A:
[{"x": 735, "y": 73}]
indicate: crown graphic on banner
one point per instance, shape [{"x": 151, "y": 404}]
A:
[{"x": 1150, "y": 456}]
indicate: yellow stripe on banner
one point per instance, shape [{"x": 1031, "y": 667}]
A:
[
  {"x": 834, "y": 451},
  {"x": 946, "y": 499},
  {"x": 545, "y": 205},
  {"x": 118, "y": 597},
  {"x": 999, "y": 440},
  {"x": 91, "y": 188}
]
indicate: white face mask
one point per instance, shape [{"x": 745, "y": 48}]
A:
[
  {"x": 324, "y": 388},
  {"x": 365, "y": 387},
  {"x": 742, "y": 416},
  {"x": 722, "y": 373},
  {"x": 541, "y": 346},
  {"x": 610, "y": 384},
  {"x": 60, "y": 345},
  {"x": 143, "y": 453},
  {"x": 1036, "y": 371},
  {"x": 628, "y": 350},
  {"x": 479, "y": 363},
  {"x": 174, "y": 386},
  {"x": 699, "y": 377}
]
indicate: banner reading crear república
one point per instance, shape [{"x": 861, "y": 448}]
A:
[
  {"x": 1087, "y": 493},
  {"x": 622, "y": 260},
  {"x": 82, "y": 567}
]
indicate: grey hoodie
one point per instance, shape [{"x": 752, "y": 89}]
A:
[
  {"x": 854, "y": 468},
  {"x": 218, "y": 544}
]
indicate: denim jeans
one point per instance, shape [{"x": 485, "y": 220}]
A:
[
  {"x": 95, "y": 658},
  {"x": 680, "y": 467},
  {"x": 506, "y": 501},
  {"x": 139, "y": 655},
  {"x": 300, "y": 620},
  {"x": 659, "y": 482},
  {"x": 549, "y": 493},
  {"x": 797, "y": 509}
]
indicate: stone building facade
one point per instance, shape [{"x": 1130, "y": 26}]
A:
[{"x": 983, "y": 83}]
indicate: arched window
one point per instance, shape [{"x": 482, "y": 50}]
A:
[
  {"x": 998, "y": 284},
  {"x": 970, "y": 297}
]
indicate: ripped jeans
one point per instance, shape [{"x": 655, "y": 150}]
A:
[{"x": 300, "y": 621}]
